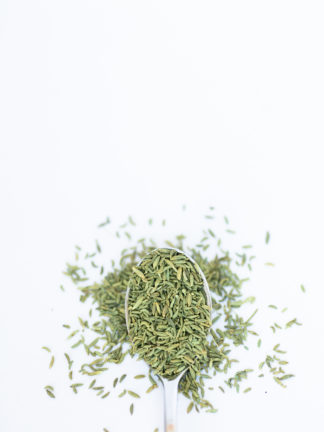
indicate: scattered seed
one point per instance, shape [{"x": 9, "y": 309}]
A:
[
  {"x": 121, "y": 379},
  {"x": 50, "y": 393},
  {"x": 51, "y": 362},
  {"x": 190, "y": 406},
  {"x": 131, "y": 393}
]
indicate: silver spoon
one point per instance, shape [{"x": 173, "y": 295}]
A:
[{"x": 171, "y": 386}]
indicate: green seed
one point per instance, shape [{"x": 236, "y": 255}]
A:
[
  {"x": 190, "y": 406},
  {"x": 131, "y": 408},
  {"x": 131, "y": 393},
  {"x": 70, "y": 362},
  {"x": 153, "y": 386},
  {"x": 121, "y": 379},
  {"x": 183, "y": 298},
  {"x": 167, "y": 309},
  {"x": 50, "y": 394},
  {"x": 51, "y": 362},
  {"x": 107, "y": 221}
]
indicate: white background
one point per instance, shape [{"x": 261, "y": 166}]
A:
[{"x": 137, "y": 107}]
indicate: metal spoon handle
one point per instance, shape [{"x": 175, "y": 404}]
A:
[{"x": 170, "y": 403}]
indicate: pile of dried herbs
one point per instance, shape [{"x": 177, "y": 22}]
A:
[
  {"x": 169, "y": 317},
  {"x": 110, "y": 342}
]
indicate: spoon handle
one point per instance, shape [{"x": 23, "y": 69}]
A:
[{"x": 170, "y": 403}]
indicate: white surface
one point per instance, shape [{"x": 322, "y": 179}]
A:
[{"x": 136, "y": 107}]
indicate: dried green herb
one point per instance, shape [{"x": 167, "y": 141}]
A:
[
  {"x": 70, "y": 362},
  {"x": 50, "y": 393},
  {"x": 133, "y": 394},
  {"x": 190, "y": 406},
  {"x": 75, "y": 387},
  {"x": 121, "y": 379},
  {"x": 131, "y": 408},
  {"x": 52, "y": 362},
  {"x": 48, "y": 387},
  {"x": 169, "y": 317},
  {"x": 107, "y": 221},
  {"x": 293, "y": 322},
  {"x": 151, "y": 388}
]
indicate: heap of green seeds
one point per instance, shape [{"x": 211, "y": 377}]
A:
[
  {"x": 168, "y": 313},
  {"x": 111, "y": 343}
]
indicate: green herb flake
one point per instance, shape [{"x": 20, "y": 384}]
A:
[
  {"x": 167, "y": 306},
  {"x": 133, "y": 394},
  {"x": 190, "y": 406},
  {"x": 50, "y": 393},
  {"x": 131, "y": 409},
  {"x": 121, "y": 379},
  {"x": 51, "y": 362},
  {"x": 122, "y": 393},
  {"x": 151, "y": 388},
  {"x": 247, "y": 390},
  {"x": 106, "y": 222}
]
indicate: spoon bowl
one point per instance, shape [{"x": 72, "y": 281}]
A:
[{"x": 171, "y": 385}]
